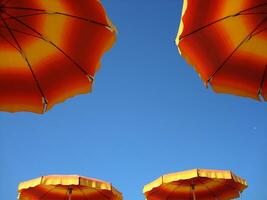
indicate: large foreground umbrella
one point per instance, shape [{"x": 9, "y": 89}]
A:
[
  {"x": 226, "y": 42},
  {"x": 49, "y": 51},
  {"x": 58, "y": 187},
  {"x": 197, "y": 184}
]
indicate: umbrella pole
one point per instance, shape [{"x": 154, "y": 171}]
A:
[
  {"x": 69, "y": 193},
  {"x": 193, "y": 192}
]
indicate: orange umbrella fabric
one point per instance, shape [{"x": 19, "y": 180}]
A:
[
  {"x": 49, "y": 51},
  {"x": 63, "y": 187},
  {"x": 196, "y": 184},
  {"x": 226, "y": 42}
]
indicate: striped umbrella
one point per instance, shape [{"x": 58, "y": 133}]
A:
[
  {"x": 196, "y": 184},
  {"x": 226, "y": 42},
  {"x": 49, "y": 51},
  {"x": 63, "y": 187}
]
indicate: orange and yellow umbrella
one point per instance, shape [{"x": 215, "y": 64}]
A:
[
  {"x": 49, "y": 51},
  {"x": 197, "y": 184},
  {"x": 67, "y": 187},
  {"x": 226, "y": 42}
]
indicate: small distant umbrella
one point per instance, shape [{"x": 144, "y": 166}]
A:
[
  {"x": 67, "y": 187},
  {"x": 226, "y": 42},
  {"x": 197, "y": 184},
  {"x": 49, "y": 51}
]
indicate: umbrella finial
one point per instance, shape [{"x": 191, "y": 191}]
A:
[
  {"x": 91, "y": 78},
  {"x": 261, "y": 97}
]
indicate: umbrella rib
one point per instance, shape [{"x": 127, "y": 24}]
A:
[
  {"x": 22, "y": 53},
  {"x": 10, "y": 32},
  {"x": 22, "y": 32},
  {"x": 207, "y": 188},
  {"x": 247, "y": 38},
  {"x": 3, "y": 37},
  {"x": 169, "y": 196},
  {"x": 155, "y": 191},
  {"x": 66, "y": 195},
  {"x": 22, "y": 8},
  {"x": 263, "y": 30},
  {"x": 53, "y": 44},
  {"x": 255, "y": 13},
  {"x": 56, "y": 13},
  {"x": 203, "y": 27},
  {"x": 80, "y": 18},
  {"x": 83, "y": 193},
  {"x": 44, "y": 195},
  {"x": 105, "y": 196},
  {"x": 26, "y": 15},
  {"x": 229, "y": 186},
  {"x": 221, "y": 19},
  {"x": 152, "y": 192}
]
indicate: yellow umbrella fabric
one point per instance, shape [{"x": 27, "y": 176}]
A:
[
  {"x": 196, "y": 184},
  {"x": 63, "y": 187}
]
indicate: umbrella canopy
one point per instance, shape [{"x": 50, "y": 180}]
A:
[
  {"x": 63, "y": 187},
  {"x": 49, "y": 51},
  {"x": 196, "y": 184},
  {"x": 226, "y": 42}
]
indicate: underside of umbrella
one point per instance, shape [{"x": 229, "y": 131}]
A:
[
  {"x": 226, "y": 42},
  {"x": 67, "y": 187},
  {"x": 49, "y": 51},
  {"x": 196, "y": 184}
]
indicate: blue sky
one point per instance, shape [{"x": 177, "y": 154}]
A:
[{"x": 149, "y": 114}]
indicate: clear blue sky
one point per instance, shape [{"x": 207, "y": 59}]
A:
[{"x": 149, "y": 114}]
